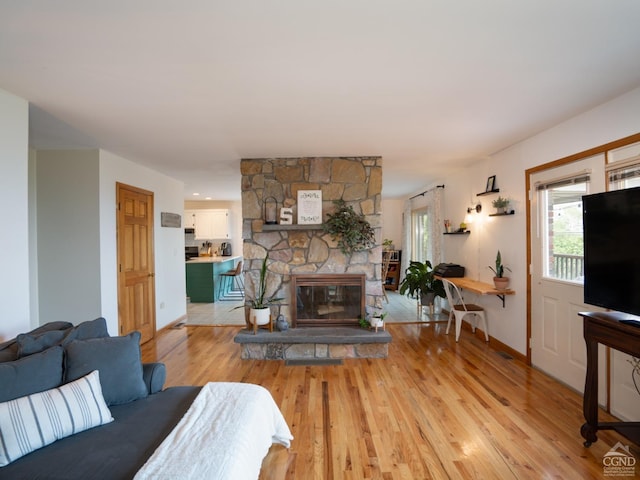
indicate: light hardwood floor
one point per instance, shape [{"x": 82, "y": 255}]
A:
[{"x": 432, "y": 409}]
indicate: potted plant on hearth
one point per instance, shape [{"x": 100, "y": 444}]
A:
[
  {"x": 500, "y": 281},
  {"x": 259, "y": 310},
  {"x": 419, "y": 279}
]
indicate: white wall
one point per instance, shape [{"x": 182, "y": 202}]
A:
[
  {"x": 392, "y": 209},
  {"x": 608, "y": 122},
  {"x": 68, "y": 240},
  {"x": 77, "y": 250},
  {"x": 168, "y": 242},
  {"x": 14, "y": 232}
]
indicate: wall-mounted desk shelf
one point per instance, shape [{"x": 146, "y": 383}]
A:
[
  {"x": 488, "y": 193},
  {"x": 457, "y": 233},
  {"x": 512, "y": 212},
  {"x": 479, "y": 287}
]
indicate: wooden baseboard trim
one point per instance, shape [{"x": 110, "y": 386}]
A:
[{"x": 495, "y": 344}]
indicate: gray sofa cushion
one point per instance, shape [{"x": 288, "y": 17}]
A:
[
  {"x": 9, "y": 352},
  {"x": 32, "y": 374},
  {"x": 118, "y": 361},
  {"x": 37, "y": 341},
  {"x": 30, "y": 343},
  {"x": 9, "y": 349},
  {"x": 113, "y": 451},
  {"x": 52, "y": 326},
  {"x": 154, "y": 376},
  {"x": 91, "y": 329}
]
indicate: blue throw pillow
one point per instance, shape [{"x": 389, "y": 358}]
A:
[
  {"x": 91, "y": 329},
  {"x": 35, "y": 373},
  {"x": 39, "y": 339},
  {"x": 29, "y": 343},
  {"x": 116, "y": 358},
  {"x": 10, "y": 350}
]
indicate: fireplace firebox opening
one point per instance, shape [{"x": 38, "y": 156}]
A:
[{"x": 323, "y": 299}]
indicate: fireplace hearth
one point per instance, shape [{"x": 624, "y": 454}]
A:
[{"x": 323, "y": 300}]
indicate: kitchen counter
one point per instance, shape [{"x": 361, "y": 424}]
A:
[
  {"x": 216, "y": 259},
  {"x": 204, "y": 284}
]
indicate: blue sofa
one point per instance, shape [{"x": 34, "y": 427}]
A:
[{"x": 59, "y": 354}]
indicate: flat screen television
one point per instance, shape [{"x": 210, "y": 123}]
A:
[{"x": 611, "y": 222}]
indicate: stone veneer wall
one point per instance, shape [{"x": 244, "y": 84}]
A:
[{"x": 357, "y": 180}]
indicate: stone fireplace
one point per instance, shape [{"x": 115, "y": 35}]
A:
[
  {"x": 323, "y": 300},
  {"x": 303, "y": 252}
]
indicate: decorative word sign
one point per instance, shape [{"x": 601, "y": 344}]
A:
[
  {"x": 170, "y": 220},
  {"x": 309, "y": 207},
  {"x": 286, "y": 216}
]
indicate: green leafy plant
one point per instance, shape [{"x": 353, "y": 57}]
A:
[
  {"x": 352, "y": 230},
  {"x": 500, "y": 202},
  {"x": 261, "y": 300},
  {"x": 387, "y": 243},
  {"x": 363, "y": 322},
  {"x": 419, "y": 278},
  {"x": 500, "y": 268}
]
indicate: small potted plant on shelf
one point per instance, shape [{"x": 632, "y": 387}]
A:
[
  {"x": 500, "y": 281},
  {"x": 419, "y": 279},
  {"x": 501, "y": 204},
  {"x": 259, "y": 311}
]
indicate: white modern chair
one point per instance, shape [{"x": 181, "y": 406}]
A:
[{"x": 459, "y": 310}]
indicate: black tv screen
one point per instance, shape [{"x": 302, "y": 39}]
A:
[{"x": 612, "y": 250}]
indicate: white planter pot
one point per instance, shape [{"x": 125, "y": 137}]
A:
[{"x": 260, "y": 316}]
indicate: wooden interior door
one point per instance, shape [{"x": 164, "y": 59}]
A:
[{"x": 136, "y": 282}]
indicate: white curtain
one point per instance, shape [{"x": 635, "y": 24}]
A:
[
  {"x": 432, "y": 200},
  {"x": 406, "y": 238}
]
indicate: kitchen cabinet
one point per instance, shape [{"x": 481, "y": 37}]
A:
[
  {"x": 189, "y": 219},
  {"x": 209, "y": 224},
  {"x": 203, "y": 278}
]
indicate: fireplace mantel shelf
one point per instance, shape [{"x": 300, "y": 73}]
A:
[{"x": 276, "y": 227}]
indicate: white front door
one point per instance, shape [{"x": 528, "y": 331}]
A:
[{"x": 557, "y": 341}]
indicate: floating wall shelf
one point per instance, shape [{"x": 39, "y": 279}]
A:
[
  {"x": 512, "y": 212},
  {"x": 488, "y": 193},
  {"x": 457, "y": 233},
  {"x": 277, "y": 226}
]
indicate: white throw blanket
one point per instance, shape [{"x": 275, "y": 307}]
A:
[{"x": 225, "y": 434}]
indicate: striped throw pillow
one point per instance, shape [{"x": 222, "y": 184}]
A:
[{"x": 32, "y": 422}]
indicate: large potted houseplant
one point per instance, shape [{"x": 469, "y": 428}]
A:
[
  {"x": 259, "y": 311},
  {"x": 419, "y": 279},
  {"x": 500, "y": 281}
]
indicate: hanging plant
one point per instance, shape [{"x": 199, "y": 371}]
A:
[{"x": 351, "y": 230}]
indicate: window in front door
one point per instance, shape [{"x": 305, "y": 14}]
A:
[{"x": 561, "y": 223}]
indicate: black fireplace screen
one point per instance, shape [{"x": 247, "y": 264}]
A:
[{"x": 328, "y": 299}]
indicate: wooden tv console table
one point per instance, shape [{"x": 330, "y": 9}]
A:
[{"x": 607, "y": 329}]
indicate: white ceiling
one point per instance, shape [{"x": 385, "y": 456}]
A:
[{"x": 190, "y": 87}]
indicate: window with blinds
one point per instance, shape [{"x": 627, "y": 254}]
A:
[
  {"x": 624, "y": 176},
  {"x": 560, "y": 211}
]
